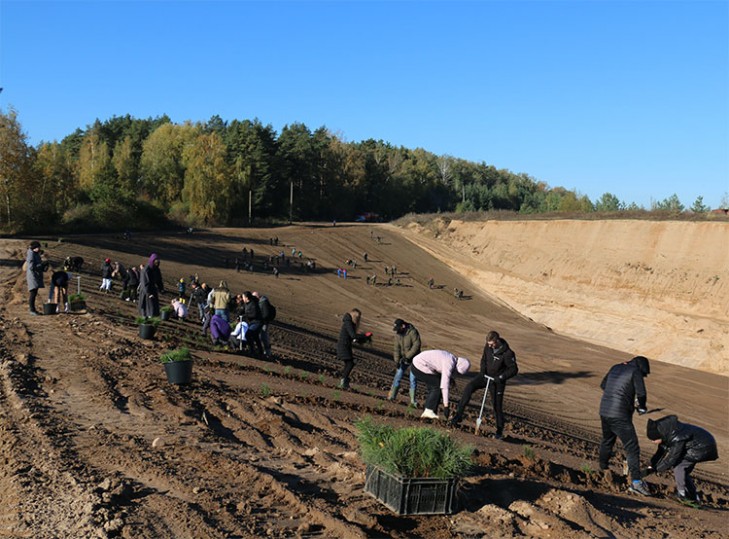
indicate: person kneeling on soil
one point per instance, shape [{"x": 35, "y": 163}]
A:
[
  {"x": 219, "y": 330},
  {"x": 436, "y": 369},
  {"x": 179, "y": 308},
  {"x": 680, "y": 446},
  {"x": 238, "y": 337}
]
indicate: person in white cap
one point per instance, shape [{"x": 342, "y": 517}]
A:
[{"x": 436, "y": 368}]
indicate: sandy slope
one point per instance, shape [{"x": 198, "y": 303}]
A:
[{"x": 660, "y": 289}]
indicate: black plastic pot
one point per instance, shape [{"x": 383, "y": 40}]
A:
[
  {"x": 147, "y": 331},
  {"x": 179, "y": 372},
  {"x": 77, "y": 305},
  {"x": 50, "y": 308},
  {"x": 164, "y": 315}
]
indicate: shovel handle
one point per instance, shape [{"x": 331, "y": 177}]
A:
[{"x": 489, "y": 379}]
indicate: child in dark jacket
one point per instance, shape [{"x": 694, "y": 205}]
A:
[{"x": 681, "y": 446}]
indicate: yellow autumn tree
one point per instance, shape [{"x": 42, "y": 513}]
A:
[{"x": 207, "y": 180}]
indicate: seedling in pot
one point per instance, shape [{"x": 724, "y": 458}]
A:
[{"x": 178, "y": 354}]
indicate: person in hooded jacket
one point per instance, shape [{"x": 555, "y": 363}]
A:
[
  {"x": 498, "y": 361},
  {"x": 436, "y": 369},
  {"x": 621, "y": 386},
  {"x": 33, "y": 274},
  {"x": 219, "y": 330},
  {"x": 680, "y": 446},
  {"x": 348, "y": 334},
  {"x": 405, "y": 348},
  {"x": 150, "y": 286}
]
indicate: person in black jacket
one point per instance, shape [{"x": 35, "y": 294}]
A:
[
  {"x": 681, "y": 446},
  {"x": 499, "y": 362},
  {"x": 198, "y": 298},
  {"x": 252, "y": 315},
  {"x": 347, "y": 335},
  {"x": 267, "y": 316},
  {"x": 621, "y": 386}
]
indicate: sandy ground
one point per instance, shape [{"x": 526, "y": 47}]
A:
[
  {"x": 660, "y": 289},
  {"x": 96, "y": 443}
]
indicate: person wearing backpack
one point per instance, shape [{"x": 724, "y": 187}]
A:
[{"x": 268, "y": 314}]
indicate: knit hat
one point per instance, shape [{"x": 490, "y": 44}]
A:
[
  {"x": 652, "y": 430},
  {"x": 397, "y": 325},
  {"x": 462, "y": 365},
  {"x": 34, "y": 244}
]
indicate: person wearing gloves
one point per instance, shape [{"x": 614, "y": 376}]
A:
[
  {"x": 436, "y": 369},
  {"x": 621, "y": 386},
  {"x": 680, "y": 446},
  {"x": 498, "y": 361},
  {"x": 407, "y": 346}
]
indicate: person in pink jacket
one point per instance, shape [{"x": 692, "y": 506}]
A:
[{"x": 436, "y": 368}]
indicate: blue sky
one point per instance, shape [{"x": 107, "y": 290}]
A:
[{"x": 630, "y": 98}]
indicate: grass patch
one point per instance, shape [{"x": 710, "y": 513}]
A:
[
  {"x": 266, "y": 390},
  {"x": 304, "y": 376},
  {"x": 528, "y": 452},
  {"x": 412, "y": 451}
]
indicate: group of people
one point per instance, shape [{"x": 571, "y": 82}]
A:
[
  {"x": 59, "y": 280},
  {"x": 254, "y": 313},
  {"x": 680, "y": 445},
  {"x": 434, "y": 368}
]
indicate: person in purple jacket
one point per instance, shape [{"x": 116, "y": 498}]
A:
[
  {"x": 436, "y": 368},
  {"x": 219, "y": 330}
]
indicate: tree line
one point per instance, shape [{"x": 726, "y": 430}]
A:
[{"x": 150, "y": 171}]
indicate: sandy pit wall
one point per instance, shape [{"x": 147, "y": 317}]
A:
[{"x": 653, "y": 288}]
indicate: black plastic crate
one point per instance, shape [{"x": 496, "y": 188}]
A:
[{"x": 412, "y": 496}]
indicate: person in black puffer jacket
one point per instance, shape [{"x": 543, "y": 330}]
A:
[
  {"x": 499, "y": 362},
  {"x": 621, "y": 386},
  {"x": 681, "y": 446}
]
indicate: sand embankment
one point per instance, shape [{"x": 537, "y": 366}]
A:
[{"x": 655, "y": 288}]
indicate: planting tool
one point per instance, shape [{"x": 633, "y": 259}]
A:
[{"x": 489, "y": 379}]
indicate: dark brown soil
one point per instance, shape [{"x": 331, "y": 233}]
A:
[{"x": 96, "y": 443}]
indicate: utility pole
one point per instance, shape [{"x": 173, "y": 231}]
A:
[{"x": 291, "y": 203}]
